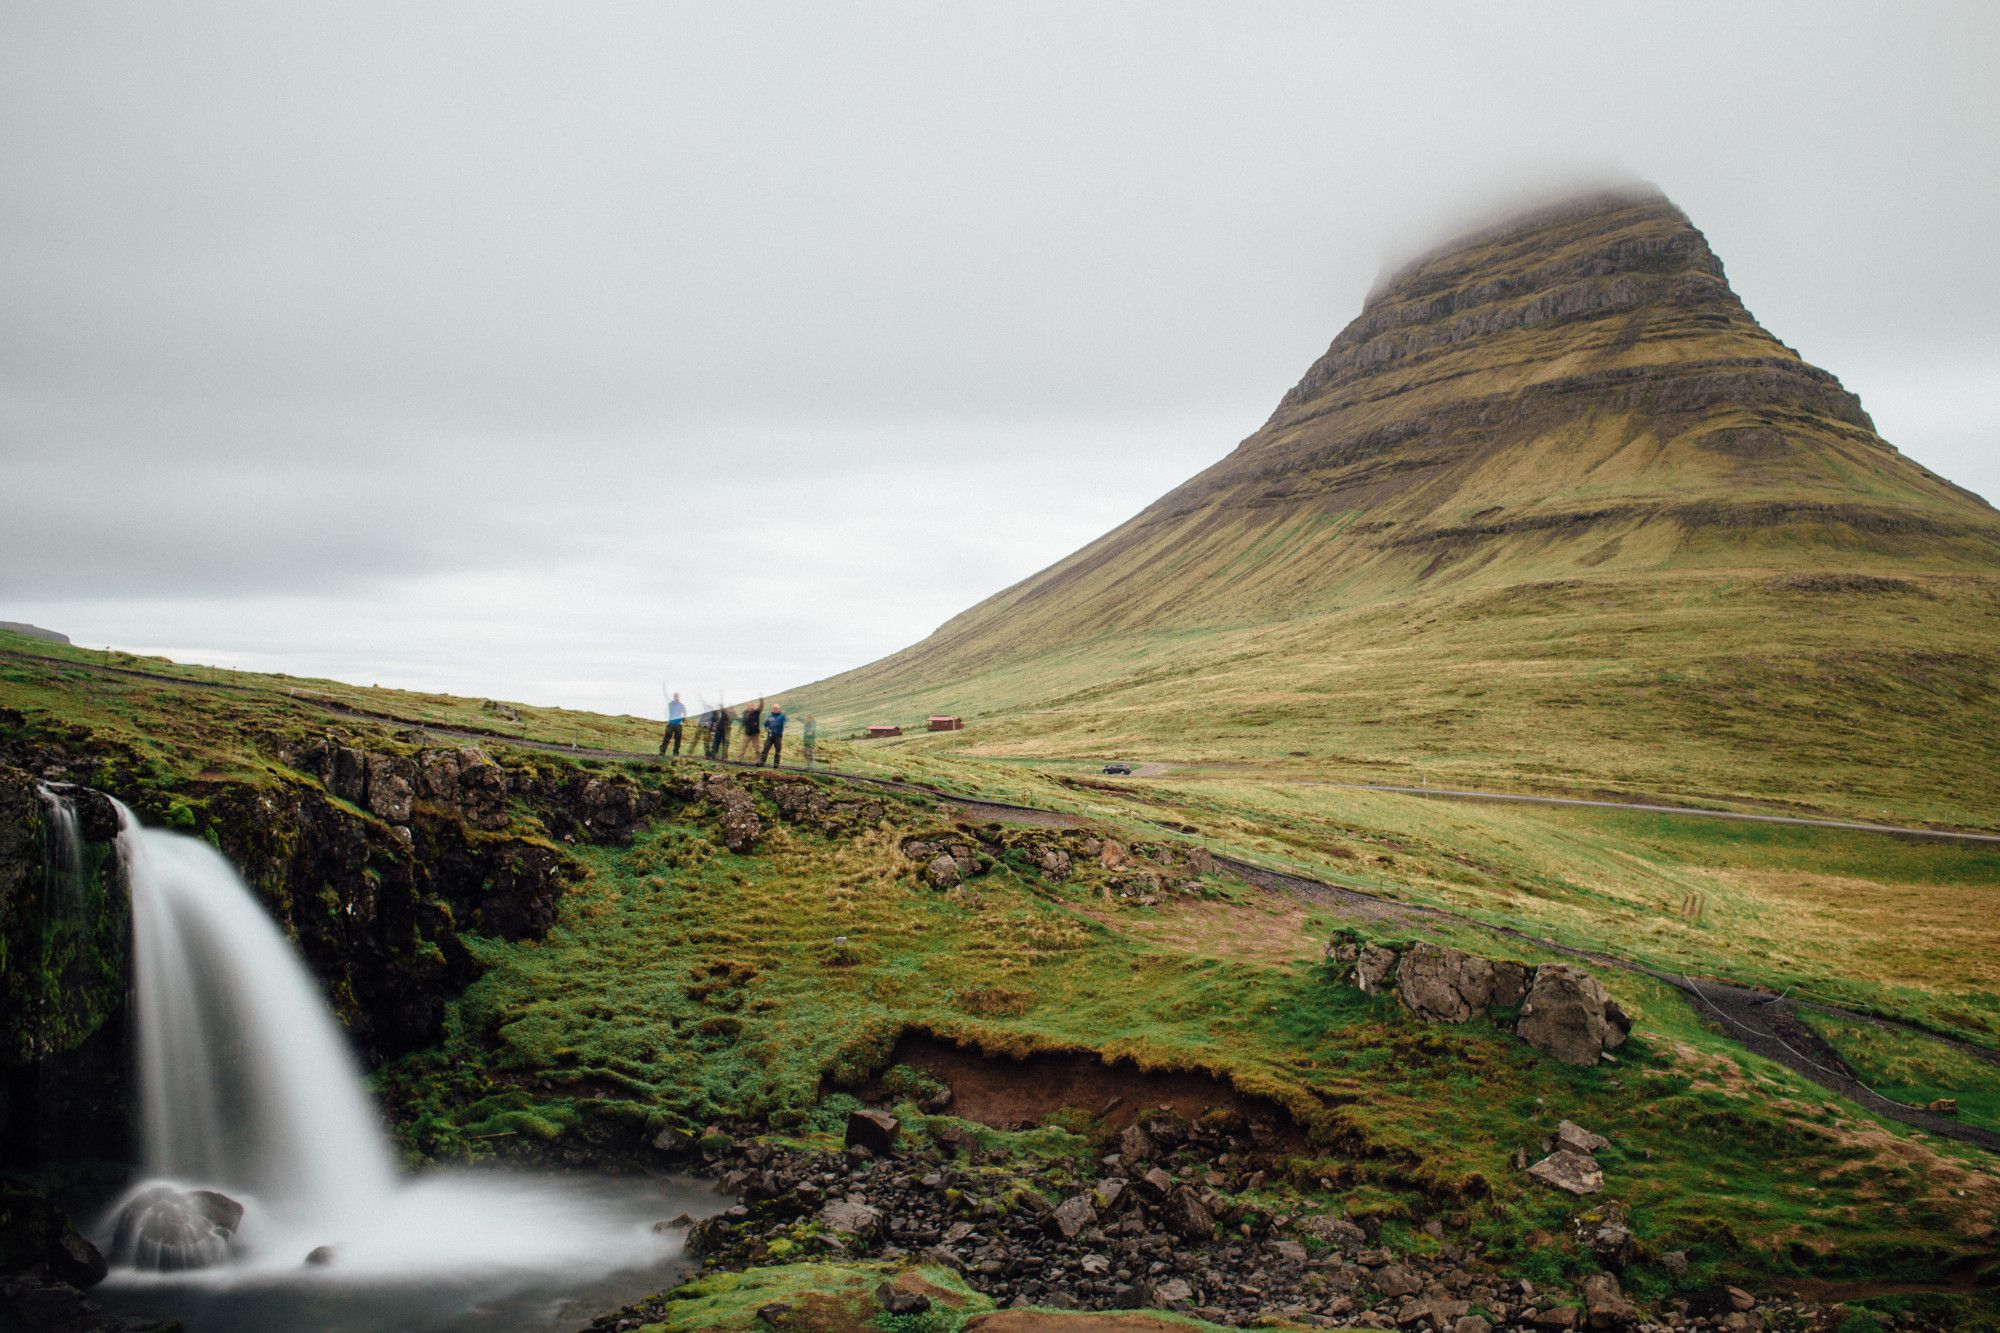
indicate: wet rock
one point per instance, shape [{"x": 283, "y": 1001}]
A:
[
  {"x": 1568, "y": 1169},
  {"x": 1565, "y": 1016},
  {"x": 1373, "y": 968},
  {"x": 169, "y": 1230},
  {"x": 876, "y": 1131},
  {"x": 36, "y": 1235}
]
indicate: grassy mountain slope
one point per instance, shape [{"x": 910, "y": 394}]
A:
[
  {"x": 1553, "y": 510},
  {"x": 684, "y": 981}
]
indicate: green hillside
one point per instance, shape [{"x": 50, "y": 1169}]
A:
[{"x": 1553, "y": 512}]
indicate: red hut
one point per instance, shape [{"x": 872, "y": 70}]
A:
[
  {"x": 884, "y": 729},
  {"x": 939, "y": 722}
]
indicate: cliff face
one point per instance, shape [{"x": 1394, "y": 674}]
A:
[{"x": 1575, "y": 392}]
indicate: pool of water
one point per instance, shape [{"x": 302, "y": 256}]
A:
[{"x": 450, "y": 1252}]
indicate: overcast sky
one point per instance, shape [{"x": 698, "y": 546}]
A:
[{"x": 547, "y": 352}]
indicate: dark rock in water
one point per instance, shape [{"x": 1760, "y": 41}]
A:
[
  {"x": 873, "y": 1130},
  {"x": 168, "y": 1230},
  {"x": 36, "y": 1237},
  {"x": 319, "y": 1256}
]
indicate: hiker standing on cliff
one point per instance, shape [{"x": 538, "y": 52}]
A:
[
  {"x": 676, "y": 716},
  {"x": 753, "y": 720},
  {"x": 810, "y": 735},
  {"x": 774, "y": 738}
]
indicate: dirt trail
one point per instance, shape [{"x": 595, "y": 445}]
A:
[{"x": 1765, "y": 1024}]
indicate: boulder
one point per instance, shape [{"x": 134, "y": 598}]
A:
[
  {"x": 1112, "y": 855},
  {"x": 1604, "y": 1305},
  {"x": 1337, "y": 1232},
  {"x": 1135, "y": 1145},
  {"x": 1183, "y": 1213},
  {"x": 1068, "y": 1218},
  {"x": 1510, "y": 983},
  {"x": 853, "y": 1219},
  {"x": 1395, "y": 1281},
  {"x": 1444, "y": 985},
  {"x": 1569, "y": 1134},
  {"x": 895, "y": 1301},
  {"x": 1373, "y": 968},
  {"x": 876, "y": 1131},
  {"x": 943, "y": 872},
  {"x": 35, "y": 1235},
  {"x": 1565, "y": 1016},
  {"x": 1168, "y": 1293},
  {"x": 168, "y": 1230},
  {"x": 1568, "y": 1169}
]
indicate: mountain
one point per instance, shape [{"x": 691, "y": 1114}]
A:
[
  {"x": 32, "y": 631},
  {"x": 1554, "y": 508}
]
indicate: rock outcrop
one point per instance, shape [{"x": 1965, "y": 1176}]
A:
[
  {"x": 1563, "y": 1011},
  {"x": 1568, "y": 1014}
]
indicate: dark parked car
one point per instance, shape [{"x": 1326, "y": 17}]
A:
[{"x": 1122, "y": 770}]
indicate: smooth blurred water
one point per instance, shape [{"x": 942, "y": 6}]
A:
[{"x": 248, "y": 1086}]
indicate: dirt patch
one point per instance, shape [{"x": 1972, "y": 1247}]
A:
[
  {"x": 1838, "y": 583},
  {"x": 1007, "y": 1093},
  {"x": 1270, "y": 931},
  {"x": 1042, "y": 1321}
]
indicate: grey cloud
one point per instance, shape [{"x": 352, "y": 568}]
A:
[{"x": 402, "y": 317}]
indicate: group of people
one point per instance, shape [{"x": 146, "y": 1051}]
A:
[{"x": 755, "y": 723}]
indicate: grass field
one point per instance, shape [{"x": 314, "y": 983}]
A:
[{"x": 684, "y": 983}]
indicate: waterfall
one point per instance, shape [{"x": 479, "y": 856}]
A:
[
  {"x": 246, "y": 1083},
  {"x": 264, "y": 1160},
  {"x": 62, "y": 851}
]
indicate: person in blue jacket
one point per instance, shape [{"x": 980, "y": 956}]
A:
[
  {"x": 676, "y": 718},
  {"x": 774, "y": 737}
]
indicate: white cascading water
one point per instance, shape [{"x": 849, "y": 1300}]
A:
[
  {"x": 248, "y": 1087},
  {"x": 245, "y": 1081}
]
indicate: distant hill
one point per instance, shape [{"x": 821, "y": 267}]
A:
[
  {"x": 1553, "y": 508},
  {"x": 32, "y": 631}
]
